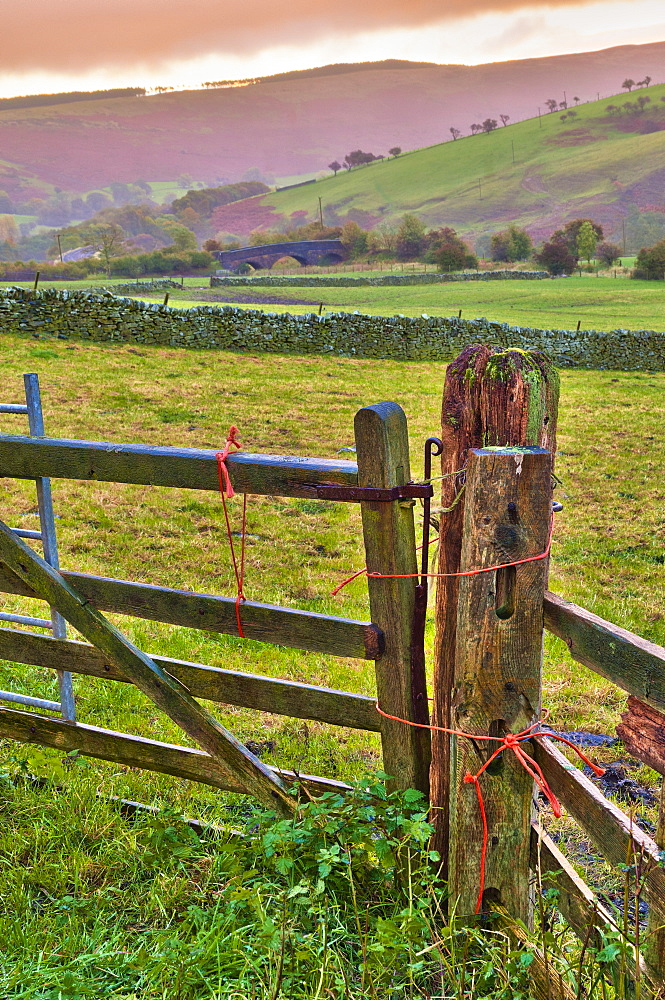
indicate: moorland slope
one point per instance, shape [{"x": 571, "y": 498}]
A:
[
  {"x": 293, "y": 126},
  {"x": 537, "y": 173}
]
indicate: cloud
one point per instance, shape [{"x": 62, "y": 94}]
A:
[{"x": 74, "y": 36}]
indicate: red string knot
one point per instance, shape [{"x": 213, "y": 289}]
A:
[{"x": 224, "y": 479}]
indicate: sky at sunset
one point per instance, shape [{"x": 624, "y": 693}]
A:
[{"x": 56, "y": 45}]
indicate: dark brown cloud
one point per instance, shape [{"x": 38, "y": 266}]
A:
[{"x": 76, "y": 35}]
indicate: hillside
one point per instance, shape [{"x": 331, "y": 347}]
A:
[
  {"x": 537, "y": 173},
  {"x": 290, "y": 127}
]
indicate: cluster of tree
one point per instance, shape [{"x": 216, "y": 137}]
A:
[
  {"x": 205, "y": 201},
  {"x": 510, "y": 245},
  {"x": 358, "y": 158},
  {"x": 638, "y": 106},
  {"x": 580, "y": 239},
  {"x": 628, "y": 84},
  {"x": 487, "y": 126}
]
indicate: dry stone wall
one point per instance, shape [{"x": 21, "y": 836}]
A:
[
  {"x": 349, "y": 280},
  {"x": 110, "y": 318}
]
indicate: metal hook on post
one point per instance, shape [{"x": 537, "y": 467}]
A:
[{"x": 433, "y": 447}]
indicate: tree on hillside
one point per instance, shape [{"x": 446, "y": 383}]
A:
[
  {"x": 511, "y": 244},
  {"x": 411, "y": 238},
  {"x": 455, "y": 132},
  {"x": 555, "y": 256},
  {"x": 552, "y": 104},
  {"x": 628, "y": 84},
  {"x": 608, "y": 253},
  {"x": 9, "y": 232},
  {"x": 645, "y": 82},
  {"x": 181, "y": 237},
  {"x": 586, "y": 242},
  {"x": 576, "y": 99},
  {"x": 490, "y": 124},
  {"x": 334, "y": 166},
  {"x": 505, "y": 119},
  {"x": 642, "y": 102},
  {"x": 476, "y": 128},
  {"x": 448, "y": 251},
  {"x": 395, "y": 151}
]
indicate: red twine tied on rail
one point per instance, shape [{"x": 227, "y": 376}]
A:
[
  {"x": 438, "y": 576},
  {"x": 511, "y": 741},
  {"x": 227, "y": 492}
]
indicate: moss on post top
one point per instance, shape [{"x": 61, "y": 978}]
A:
[{"x": 515, "y": 392}]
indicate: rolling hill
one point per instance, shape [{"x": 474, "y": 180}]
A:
[
  {"x": 289, "y": 126},
  {"x": 538, "y": 173}
]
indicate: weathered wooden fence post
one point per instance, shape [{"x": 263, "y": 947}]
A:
[
  {"x": 383, "y": 460},
  {"x": 498, "y": 666},
  {"x": 490, "y": 397}
]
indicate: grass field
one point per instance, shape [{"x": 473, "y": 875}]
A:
[
  {"x": 599, "y": 303},
  {"x": 96, "y": 905}
]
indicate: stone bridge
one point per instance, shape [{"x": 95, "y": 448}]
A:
[{"x": 264, "y": 256}]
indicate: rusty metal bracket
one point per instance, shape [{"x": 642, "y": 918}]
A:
[{"x": 369, "y": 494}]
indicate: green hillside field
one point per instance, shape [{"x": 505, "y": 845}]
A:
[{"x": 537, "y": 173}]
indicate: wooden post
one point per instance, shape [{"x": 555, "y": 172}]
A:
[
  {"x": 498, "y": 668},
  {"x": 383, "y": 460},
  {"x": 490, "y": 397}
]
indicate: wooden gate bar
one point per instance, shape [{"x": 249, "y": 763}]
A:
[
  {"x": 606, "y": 824},
  {"x": 136, "y": 751},
  {"x": 265, "y": 622},
  {"x": 630, "y": 662},
  {"x": 166, "y": 692},
  {"x": 22, "y": 457},
  {"x": 382, "y": 448},
  {"x": 498, "y": 667},
  {"x": 230, "y": 687}
]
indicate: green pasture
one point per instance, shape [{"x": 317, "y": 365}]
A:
[
  {"x": 527, "y": 173},
  {"x": 599, "y": 303},
  {"x": 96, "y": 905}
]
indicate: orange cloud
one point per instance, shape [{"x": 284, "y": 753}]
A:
[{"x": 72, "y": 36}]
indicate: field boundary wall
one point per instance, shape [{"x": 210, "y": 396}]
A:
[
  {"x": 110, "y": 318},
  {"x": 349, "y": 281}
]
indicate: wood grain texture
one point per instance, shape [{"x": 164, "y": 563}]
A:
[
  {"x": 382, "y": 449},
  {"x": 490, "y": 396},
  {"x": 642, "y": 731},
  {"x": 498, "y": 670},
  {"x": 273, "y": 475},
  {"x": 229, "y": 687},
  {"x": 606, "y": 825},
  {"x": 632, "y": 663},
  {"x": 136, "y": 751},
  {"x": 263, "y": 622},
  {"x": 165, "y": 691}
]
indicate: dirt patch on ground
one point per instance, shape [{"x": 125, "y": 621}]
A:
[{"x": 575, "y": 137}]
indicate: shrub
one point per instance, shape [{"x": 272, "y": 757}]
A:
[
  {"x": 608, "y": 253},
  {"x": 650, "y": 262},
  {"x": 448, "y": 251},
  {"x": 556, "y": 256},
  {"x": 511, "y": 244}
]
